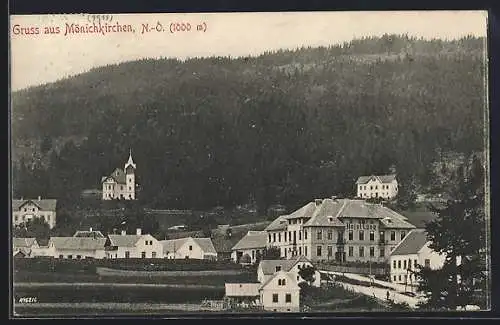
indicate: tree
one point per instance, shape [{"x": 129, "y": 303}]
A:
[
  {"x": 407, "y": 194},
  {"x": 36, "y": 227},
  {"x": 271, "y": 253},
  {"x": 459, "y": 233},
  {"x": 308, "y": 274}
]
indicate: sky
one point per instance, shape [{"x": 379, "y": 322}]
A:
[{"x": 45, "y": 58}]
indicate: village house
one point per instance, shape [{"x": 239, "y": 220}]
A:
[
  {"x": 413, "y": 251},
  {"x": 25, "y": 210},
  {"x": 189, "y": 248},
  {"x": 243, "y": 294},
  {"x": 76, "y": 247},
  {"x": 23, "y": 247},
  {"x": 377, "y": 186},
  {"x": 339, "y": 230},
  {"x": 267, "y": 269},
  {"x": 280, "y": 293},
  {"x": 252, "y": 245},
  {"x": 133, "y": 246},
  {"x": 121, "y": 183}
]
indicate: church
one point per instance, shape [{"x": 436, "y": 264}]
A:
[{"x": 121, "y": 183}]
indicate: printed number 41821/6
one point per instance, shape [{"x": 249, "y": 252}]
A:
[{"x": 25, "y": 300}]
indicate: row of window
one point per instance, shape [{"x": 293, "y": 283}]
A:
[
  {"x": 272, "y": 238},
  {"x": 406, "y": 277},
  {"x": 110, "y": 187},
  {"x": 363, "y": 187},
  {"x": 396, "y": 264},
  {"x": 150, "y": 243},
  {"x": 288, "y": 298},
  {"x": 23, "y": 218},
  {"x": 111, "y": 196},
  {"x": 376, "y": 195},
  {"x": 32, "y": 210},
  {"x": 287, "y": 236}
]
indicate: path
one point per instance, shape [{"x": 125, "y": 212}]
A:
[{"x": 379, "y": 293}]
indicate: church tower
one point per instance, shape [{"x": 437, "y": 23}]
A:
[{"x": 130, "y": 177}]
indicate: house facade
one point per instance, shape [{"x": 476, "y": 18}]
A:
[
  {"x": 377, "y": 186},
  {"x": 75, "y": 247},
  {"x": 412, "y": 252},
  {"x": 189, "y": 248},
  {"x": 280, "y": 293},
  {"x": 121, "y": 183},
  {"x": 252, "y": 245},
  {"x": 340, "y": 230},
  {"x": 133, "y": 246},
  {"x": 25, "y": 210},
  {"x": 243, "y": 294},
  {"x": 267, "y": 269}
]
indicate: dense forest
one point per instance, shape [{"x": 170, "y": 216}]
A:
[{"x": 283, "y": 127}]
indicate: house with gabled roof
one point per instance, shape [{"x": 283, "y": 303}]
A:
[
  {"x": 24, "y": 210},
  {"x": 340, "y": 230},
  {"x": 252, "y": 244},
  {"x": 189, "y": 248},
  {"x": 377, "y": 186},
  {"x": 136, "y": 245},
  {"x": 76, "y": 247},
  {"x": 280, "y": 293},
  {"x": 413, "y": 251},
  {"x": 121, "y": 183},
  {"x": 267, "y": 269},
  {"x": 23, "y": 247}
]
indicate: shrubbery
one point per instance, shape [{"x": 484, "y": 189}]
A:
[{"x": 89, "y": 265}]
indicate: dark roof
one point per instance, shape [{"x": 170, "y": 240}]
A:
[
  {"x": 412, "y": 243},
  {"x": 381, "y": 178},
  {"x": 42, "y": 204},
  {"x": 118, "y": 175},
  {"x": 253, "y": 239}
]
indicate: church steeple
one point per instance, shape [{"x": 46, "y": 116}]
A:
[{"x": 130, "y": 161}]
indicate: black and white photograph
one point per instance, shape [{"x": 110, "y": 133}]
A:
[{"x": 249, "y": 163}]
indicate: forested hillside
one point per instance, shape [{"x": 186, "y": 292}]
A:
[{"x": 283, "y": 127}]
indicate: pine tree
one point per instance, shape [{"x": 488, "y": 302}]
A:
[{"x": 459, "y": 233}]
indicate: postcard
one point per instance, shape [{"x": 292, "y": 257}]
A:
[{"x": 263, "y": 163}]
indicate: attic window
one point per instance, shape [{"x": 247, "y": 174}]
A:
[
  {"x": 330, "y": 219},
  {"x": 278, "y": 268}
]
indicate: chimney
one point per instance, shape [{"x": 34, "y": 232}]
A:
[
  {"x": 124, "y": 232},
  {"x": 39, "y": 198},
  {"x": 318, "y": 201},
  {"x": 90, "y": 229},
  {"x": 138, "y": 231}
]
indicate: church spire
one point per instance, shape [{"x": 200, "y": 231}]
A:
[{"x": 130, "y": 161}]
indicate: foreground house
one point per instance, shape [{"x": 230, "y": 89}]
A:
[
  {"x": 280, "y": 293},
  {"x": 133, "y": 246},
  {"x": 76, "y": 247},
  {"x": 340, "y": 230},
  {"x": 377, "y": 186},
  {"x": 412, "y": 252},
  {"x": 23, "y": 247},
  {"x": 189, "y": 248},
  {"x": 25, "y": 210},
  {"x": 252, "y": 245},
  {"x": 121, "y": 183},
  {"x": 268, "y": 268}
]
